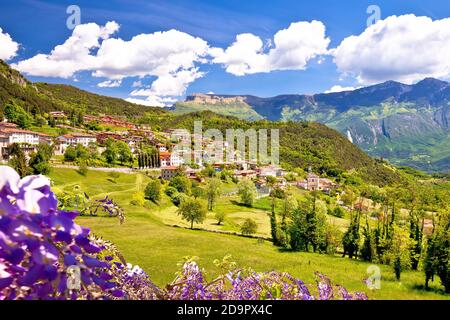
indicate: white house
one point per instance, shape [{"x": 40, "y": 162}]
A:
[
  {"x": 75, "y": 138},
  {"x": 10, "y": 135},
  {"x": 21, "y": 136},
  {"x": 176, "y": 159}
]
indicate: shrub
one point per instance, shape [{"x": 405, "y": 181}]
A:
[
  {"x": 338, "y": 212},
  {"x": 181, "y": 184},
  {"x": 83, "y": 169},
  {"x": 178, "y": 198},
  {"x": 220, "y": 217},
  {"x": 138, "y": 199},
  {"x": 114, "y": 175},
  {"x": 171, "y": 191},
  {"x": 249, "y": 227},
  {"x": 153, "y": 191},
  {"x": 247, "y": 192}
]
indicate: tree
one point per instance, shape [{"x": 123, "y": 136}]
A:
[
  {"x": 368, "y": 249},
  {"x": 275, "y": 193},
  {"x": 308, "y": 227},
  {"x": 348, "y": 197},
  {"x": 39, "y": 161},
  {"x": 212, "y": 190},
  {"x": 70, "y": 154},
  {"x": 437, "y": 257},
  {"x": 153, "y": 190},
  {"x": 248, "y": 227},
  {"x": 192, "y": 210},
  {"x": 289, "y": 204},
  {"x": 124, "y": 154},
  {"x": 208, "y": 171},
  {"x": 197, "y": 192},
  {"x": 350, "y": 240},
  {"x": 297, "y": 230},
  {"x": 18, "y": 160},
  {"x": 247, "y": 192},
  {"x": 181, "y": 184},
  {"x": 16, "y": 114},
  {"x": 220, "y": 217},
  {"x": 271, "y": 182},
  {"x": 76, "y": 153},
  {"x": 398, "y": 254},
  {"x": 170, "y": 191},
  {"x": 111, "y": 151},
  {"x": 333, "y": 238}
]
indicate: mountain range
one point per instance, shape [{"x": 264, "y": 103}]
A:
[{"x": 406, "y": 124}]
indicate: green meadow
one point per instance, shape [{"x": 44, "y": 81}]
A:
[{"x": 155, "y": 238}]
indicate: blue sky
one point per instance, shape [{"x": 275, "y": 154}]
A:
[{"x": 39, "y": 26}]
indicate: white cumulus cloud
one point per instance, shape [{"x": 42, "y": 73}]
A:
[
  {"x": 137, "y": 84},
  {"x": 156, "y": 54},
  {"x": 170, "y": 56},
  {"x": 72, "y": 56},
  {"x": 110, "y": 84},
  {"x": 291, "y": 49},
  {"x": 163, "y": 90},
  {"x": 338, "y": 88},
  {"x": 8, "y": 47},
  {"x": 404, "y": 48}
]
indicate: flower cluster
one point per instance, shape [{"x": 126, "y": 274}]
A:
[
  {"x": 249, "y": 285},
  {"x": 109, "y": 206},
  {"x": 44, "y": 254},
  {"x": 40, "y": 244}
]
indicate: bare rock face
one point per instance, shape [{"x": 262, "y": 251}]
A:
[{"x": 214, "y": 99}]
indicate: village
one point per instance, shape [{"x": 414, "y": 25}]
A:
[{"x": 165, "y": 159}]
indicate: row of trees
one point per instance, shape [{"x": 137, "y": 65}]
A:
[{"x": 148, "y": 160}]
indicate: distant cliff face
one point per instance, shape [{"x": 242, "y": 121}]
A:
[
  {"x": 214, "y": 99},
  {"x": 407, "y": 124}
]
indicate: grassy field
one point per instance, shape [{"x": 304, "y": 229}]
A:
[{"x": 147, "y": 239}]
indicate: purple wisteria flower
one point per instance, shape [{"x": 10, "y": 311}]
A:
[
  {"x": 38, "y": 243},
  {"x": 190, "y": 284}
]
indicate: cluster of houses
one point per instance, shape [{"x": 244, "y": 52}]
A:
[
  {"x": 170, "y": 158},
  {"x": 315, "y": 183}
]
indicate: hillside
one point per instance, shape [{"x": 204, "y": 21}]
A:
[
  {"x": 52, "y": 97},
  {"x": 302, "y": 144},
  {"x": 407, "y": 124}
]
